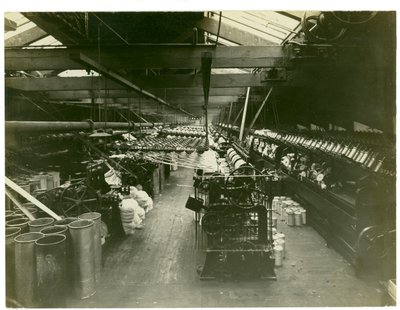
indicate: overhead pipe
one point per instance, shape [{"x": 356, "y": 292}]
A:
[
  {"x": 21, "y": 126},
  {"x": 37, "y": 126}
]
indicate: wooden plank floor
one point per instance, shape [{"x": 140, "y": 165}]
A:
[{"x": 156, "y": 267}]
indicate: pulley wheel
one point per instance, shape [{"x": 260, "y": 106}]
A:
[
  {"x": 370, "y": 243},
  {"x": 322, "y": 28},
  {"x": 243, "y": 187},
  {"x": 211, "y": 223}
]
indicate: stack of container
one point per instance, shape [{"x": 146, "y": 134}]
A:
[
  {"x": 279, "y": 248},
  {"x": 48, "y": 260},
  {"x": 289, "y": 211}
]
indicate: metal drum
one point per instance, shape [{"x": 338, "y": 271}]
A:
[
  {"x": 38, "y": 224},
  {"x": 55, "y": 230},
  {"x": 278, "y": 253},
  {"x": 11, "y": 233},
  {"x": 64, "y": 230},
  {"x": 18, "y": 211},
  {"x": 96, "y": 218},
  {"x": 297, "y": 218},
  {"x": 21, "y": 222},
  {"x": 65, "y": 221},
  {"x": 9, "y": 212},
  {"x": 51, "y": 270},
  {"x": 31, "y": 208},
  {"x": 14, "y": 216},
  {"x": 25, "y": 268},
  {"x": 303, "y": 216},
  {"x": 82, "y": 239},
  {"x": 290, "y": 217}
]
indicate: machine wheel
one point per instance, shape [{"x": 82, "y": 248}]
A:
[
  {"x": 244, "y": 187},
  {"x": 50, "y": 199},
  {"x": 354, "y": 18},
  {"x": 79, "y": 198},
  {"x": 370, "y": 243},
  {"x": 211, "y": 223},
  {"x": 322, "y": 28}
]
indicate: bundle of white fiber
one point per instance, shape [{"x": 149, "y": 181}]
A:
[
  {"x": 144, "y": 200},
  {"x": 129, "y": 218}
]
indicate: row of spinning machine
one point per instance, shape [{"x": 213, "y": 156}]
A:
[{"x": 234, "y": 230}]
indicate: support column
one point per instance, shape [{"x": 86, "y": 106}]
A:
[{"x": 244, "y": 114}]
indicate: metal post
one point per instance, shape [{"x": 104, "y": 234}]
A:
[
  {"x": 230, "y": 112},
  {"x": 237, "y": 116},
  {"x": 259, "y": 110},
  {"x": 206, "y": 60},
  {"x": 244, "y": 114}
]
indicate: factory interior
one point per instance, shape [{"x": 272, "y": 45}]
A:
[{"x": 200, "y": 159}]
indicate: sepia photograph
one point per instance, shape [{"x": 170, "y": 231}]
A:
[{"x": 203, "y": 158}]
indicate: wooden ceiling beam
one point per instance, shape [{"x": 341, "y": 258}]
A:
[
  {"x": 87, "y": 94},
  {"x": 26, "y": 37},
  {"x": 147, "y": 82},
  {"x": 92, "y": 64},
  {"x": 231, "y": 33},
  {"x": 57, "y": 30},
  {"x": 9, "y": 25},
  {"x": 122, "y": 93},
  {"x": 142, "y": 57}
]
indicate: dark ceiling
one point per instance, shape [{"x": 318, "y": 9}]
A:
[{"x": 128, "y": 43}]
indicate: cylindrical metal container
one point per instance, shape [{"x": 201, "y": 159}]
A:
[
  {"x": 11, "y": 233},
  {"x": 303, "y": 216},
  {"x": 31, "y": 208},
  {"x": 55, "y": 230},
  {"x": 13, "y": 217},
  {"x": 51, "y": 271},
  {"x": 82, "y": 239},
  {"x": 281, "y": 243},
  {"x": 9, "y": 212},
  {"x": 96, "y": 218},
  {"x": 21, "y": 222},
  {"x": 38, "y": 224},
  {"x": 25, "y": 268},
  {"x": 64, "y": 230},
  {"x": 18, "y": 211},
  {"x": 275, "y": 203},
  {"x": 279, "y": 236},
  {"x": 297, "y": 218},
  {"x": 278, "y": 253},
  {"x": 65, "y": 221},
  {"x": 274, "y": 222},
  {"x": 290, "y": 217},
  {"x": 34, "y": 211}
]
